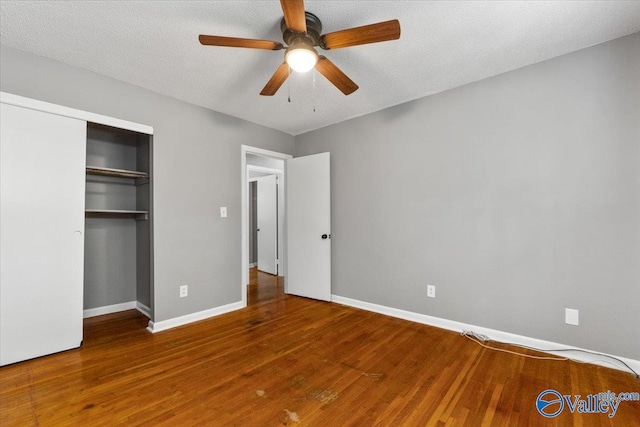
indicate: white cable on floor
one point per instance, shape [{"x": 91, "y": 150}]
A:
[
  {"x": 479, "y": 338},
  {"x": 472, "y": 336}
]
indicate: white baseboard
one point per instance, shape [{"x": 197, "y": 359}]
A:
[
  {"x": 108, "y": 309},
  {"x": 494, "y": 334},
  {"x": 253, "y": 264},
  {"x": 143, "y": 309},
  {"x": 193, "y": 317}
]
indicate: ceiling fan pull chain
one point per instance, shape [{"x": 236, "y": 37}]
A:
[
  {"x": 314, "y": 90},
  {"x": 289, "y": 87}
]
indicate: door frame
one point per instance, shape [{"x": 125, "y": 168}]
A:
[{"x": 244, "y": 213}]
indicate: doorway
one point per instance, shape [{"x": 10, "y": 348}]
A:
[
  {"x": 257, "y": 163},
  {"x": 265, "y": 217}
]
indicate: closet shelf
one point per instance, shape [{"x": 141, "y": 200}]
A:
[
  {"x": 119, "y": 173},
  {"x": 117, "y": 213}
]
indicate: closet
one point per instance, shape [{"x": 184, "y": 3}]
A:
[
  {"x": 75, "y": 223},
  {"x": 117, "y": 256}
]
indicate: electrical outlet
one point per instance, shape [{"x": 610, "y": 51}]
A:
[
  {"x": 571, "y": 316},
  {"x": 431, "y": 291},
  {"x": 184, "y": 291},
  {"x": 223, "y": 212}
]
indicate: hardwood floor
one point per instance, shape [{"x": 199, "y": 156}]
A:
[{"x": 292, "y": 361}]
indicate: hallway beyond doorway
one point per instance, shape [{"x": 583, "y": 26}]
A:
[{"x": 263, "y": 287}]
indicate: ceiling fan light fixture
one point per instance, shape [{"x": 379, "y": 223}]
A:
[
  {"x": 302, "y": 33},
  {"x": 301, "y": 58}
]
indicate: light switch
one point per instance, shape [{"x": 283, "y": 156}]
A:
[{"x": 223, "y": 212}]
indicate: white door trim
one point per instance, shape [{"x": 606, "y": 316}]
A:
[
  {"x": 46, "y": 107},
  {"x": 244, "y": 211}
]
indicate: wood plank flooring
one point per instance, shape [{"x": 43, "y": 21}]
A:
[{"x": 292, "y": 361}]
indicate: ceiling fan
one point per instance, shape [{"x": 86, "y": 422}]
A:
[{"x": 302, "y": 32}]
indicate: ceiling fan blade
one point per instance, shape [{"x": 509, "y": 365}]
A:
[
  {"x": 276, "y": 80},
  {"x": 373, "y": 33},
  {"x": 294, "y": 15},
  {"x": 236, "y": 42},
  {"x": 335, "y": 75}
]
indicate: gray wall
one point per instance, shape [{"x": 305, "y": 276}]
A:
[
  {"x": 109, "y": 262},
  {"x": 196, "y": 170},
  {"x": 517, "y": 196}
]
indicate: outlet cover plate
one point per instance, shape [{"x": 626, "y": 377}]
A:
[
  {"x": 431, "y": 291},
  {"x": 184, "y": 291},
  {"x": 571, "y": 316}
]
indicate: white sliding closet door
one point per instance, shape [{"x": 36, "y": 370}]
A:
[{"x": 42, "y": 181}]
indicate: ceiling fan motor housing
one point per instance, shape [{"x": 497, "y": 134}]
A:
[{"x": 314, "y": 29}]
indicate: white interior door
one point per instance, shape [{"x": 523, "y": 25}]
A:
[
  {"x": 309, "y": 227},
  {"x": 267, "y": 224},
  {"x": 42, "y": 184}
]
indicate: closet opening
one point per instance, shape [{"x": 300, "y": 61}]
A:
[{"x": 118, "y": 256}]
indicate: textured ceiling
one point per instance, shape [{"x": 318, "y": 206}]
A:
[{"x": 154, "y": 44}]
